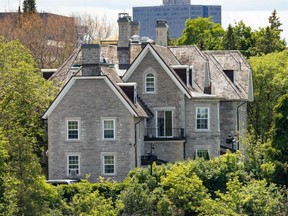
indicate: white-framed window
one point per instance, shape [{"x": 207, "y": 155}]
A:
[
  {"x": 108, "y": 163},
  {"x": 204, "y": 153},
  {"x": 202, "y": 118},
  {"x": 109, "y": 129},
  {"x": 73, "y": 165},
  {"x": 73, "y": 129},
  {"x": 149, "y": 83}
]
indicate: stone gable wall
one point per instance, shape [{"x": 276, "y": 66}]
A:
[{"x": 90, "y": 100}]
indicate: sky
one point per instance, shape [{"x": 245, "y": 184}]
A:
[{"x": 253, "y": 13}]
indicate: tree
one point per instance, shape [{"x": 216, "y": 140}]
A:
[
  {"x": 24, "y": 95},
  {"x": 270, "y": 75},
  {"x": 268, "y": 40},
  {"x": 280, "y": 140},
  {"x": 203, "y": 33},
  {"x": 274, "y": 21},
  {"x": 257, "y": 197},
  {"x": 29, "y": 6},
  {"x": 94, "y": 29},
  {"x": 229, "y": 39},
  {"x": 51, "y": 39},
  {"x": 239, "y": 37},
  {"x": 183, "y": 187}
]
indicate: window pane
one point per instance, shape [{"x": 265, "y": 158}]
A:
[
  {"x": 202, "y": 118},
  {"x": 73, "y": 164},
  {"x": 164, "y": 123},
  {"x": 150, "y": 85},
  {"x": 168, "y": 123},
  {"x": 108, "y": 124},
  {"x": 73, "y": 130},
  {"x": 109, "y": 164},
  {"x": 108, "y": 134},
  {"x": 203, "y": 153},
  {"x": 108, "y": 129}
]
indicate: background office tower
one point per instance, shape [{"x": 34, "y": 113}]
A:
[{"x": 175, "y": 12}]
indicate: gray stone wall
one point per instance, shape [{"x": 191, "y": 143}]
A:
[
  {"x": 167, "y": 93},
  {"x": 89, "y": 101},
  {"x": 206, "y": 140},
  {"x": 228, "y": 120},
  {"x": 168, "y": 96},
  {"x": 170, "y": 151}
]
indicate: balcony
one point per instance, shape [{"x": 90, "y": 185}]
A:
[{"x": 154, "y": 134}]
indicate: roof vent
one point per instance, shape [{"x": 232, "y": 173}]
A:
[{"x": 135, "y": 39}]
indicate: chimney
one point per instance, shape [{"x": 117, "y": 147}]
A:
[
  {"x": 124, "y": 27},
  {"x": 135, "y": 28},
  {"x": 90, "y": 59},
  {"x": 162, "y": 33}
]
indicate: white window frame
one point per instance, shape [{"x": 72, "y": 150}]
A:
[
  {"x": 154, "y": 83},
  {"x": 105, "y": 154},
  {"x": 202, "y": 150},
  {"x": 208, "y": 119},
  {"x": 114, "y": 128},
  {"x": 67, "y": 128},
  {"x": 68, "y": 165}
]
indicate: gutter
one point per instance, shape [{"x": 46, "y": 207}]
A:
[
  {"x": 238, "y": 122},
  {"x": 135, "y": 144}
]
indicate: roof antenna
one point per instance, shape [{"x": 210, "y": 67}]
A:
[{"x": 19, "y": 7}]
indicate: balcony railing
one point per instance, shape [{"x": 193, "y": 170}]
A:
[{"x": 164, "y": 134}]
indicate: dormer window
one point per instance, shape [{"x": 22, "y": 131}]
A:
[
  {"x": 229, "y": 74},
  {"x": 150, "y": 83}
]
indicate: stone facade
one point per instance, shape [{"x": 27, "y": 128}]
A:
[
  {"x": 183, "y": 103},
  {"x": 90, "y": 101}
]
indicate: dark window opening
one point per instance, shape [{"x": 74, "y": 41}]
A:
[{"x": 229, "y": 74}]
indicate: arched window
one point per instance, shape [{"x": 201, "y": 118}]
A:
[{"x": 150, "y": 83}]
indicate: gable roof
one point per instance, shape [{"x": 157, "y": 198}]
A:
[
  {"x": 165, "y": 58},
  {"x": 135, "y": 109}
]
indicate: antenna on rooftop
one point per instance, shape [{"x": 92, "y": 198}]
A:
[{"x": 19, "y": 7}]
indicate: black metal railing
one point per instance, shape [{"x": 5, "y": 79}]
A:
[{"x": 167, "y": 133}]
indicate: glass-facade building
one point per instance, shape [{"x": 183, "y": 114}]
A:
[{"x": 175, "y": 13}]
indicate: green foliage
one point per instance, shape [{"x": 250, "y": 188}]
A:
[
  {"x": 3, "y": 157},
  {"x": 85, "y": 198},
  {"x": 137, "y": 199},
  {"x": 270, "y": 74},
  {"x": 274, "y": 21},
  {"x": 29, "y": 6},
  {"x": 256, "y": 158},
  {"x": 89, "y": 202},
  {"x": 257, "y": 197},
  {"x": 203, "y": 33},
  {"x": 267, "y": 40},
  {"x": 280, "y": 140},
  {"x": 239, "y": 37},
  {"x": 229, "y": 39},
  {"x": 24, "y": 96},
  {"x": 217, "y": 172},
  {"x": 183, "y": 188}
]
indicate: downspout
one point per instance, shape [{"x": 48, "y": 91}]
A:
[
  {"x": 238, "y": 122},
  {"x": 135, "y": 144}
]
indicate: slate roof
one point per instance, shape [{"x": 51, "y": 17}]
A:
[
  {"x": 63, "y": 74},
  {"x": 111, "y": 73},
  {"x": 208, "y": 68},
  {"x": 218, "y": 61}
]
